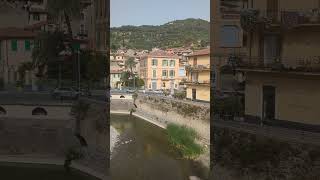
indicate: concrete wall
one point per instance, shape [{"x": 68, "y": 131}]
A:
[
  {"x": 297, "y": 98},
  {"x": 171, "y": 111},
  {"x": 25, "y": 111},
  {"x": 90, "y": 127}
]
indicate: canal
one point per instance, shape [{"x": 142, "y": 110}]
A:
[{"x": 143, "y": 152}]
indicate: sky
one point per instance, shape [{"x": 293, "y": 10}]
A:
[{"x": 156, "y": 12}]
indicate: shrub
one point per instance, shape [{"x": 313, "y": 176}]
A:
[
  {"x": 179, "y": 95},
  {"x": 183, "y": 139}
]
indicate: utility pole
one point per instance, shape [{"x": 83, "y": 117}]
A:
[{"x": 79, "y": 86}]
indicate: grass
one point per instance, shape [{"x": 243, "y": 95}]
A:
[{"x": 183, "y": 139}]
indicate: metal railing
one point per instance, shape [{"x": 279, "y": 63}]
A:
[
  {"x": 289, "y": 17},
  {"x": 293, "y": 64}
]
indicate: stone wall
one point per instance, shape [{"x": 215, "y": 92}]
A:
[
  {"x": 166, "y": 110},
  {"x": 242, "y": 155}
]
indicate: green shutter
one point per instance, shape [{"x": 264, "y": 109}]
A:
[
  {"x": 76, "y": 46},
  {"x": 14, "y": 45},
  {"x": 27, "y": 45}
]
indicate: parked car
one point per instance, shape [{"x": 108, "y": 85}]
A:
[
  {"x": 65, "y": 92},
  {"x": 85, "y": 92},
  {"x": 157, "y": 91}
]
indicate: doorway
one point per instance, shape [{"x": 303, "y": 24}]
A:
[
  {"x": 271, "y": 48},
  {"x": 194, "y": 94},
  {"x": 268, "y": 103}
]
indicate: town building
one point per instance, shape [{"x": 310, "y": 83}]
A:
[
  {"x": 282, "y": 66},
  {"x": 15, "y": 49},
  {"x": 228, "y": 40},
  {"x": 198, "y": 75},
  {"x": 159, "y": 70}
]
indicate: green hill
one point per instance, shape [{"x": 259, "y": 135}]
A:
[{"x": 173, "y": 34}]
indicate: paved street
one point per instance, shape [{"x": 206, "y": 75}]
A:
[{"x": 37, "y": 98}]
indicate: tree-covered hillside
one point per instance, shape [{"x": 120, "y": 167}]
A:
[{"x": 173, "y": 34}]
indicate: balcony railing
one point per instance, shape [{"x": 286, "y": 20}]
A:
[
  {"x": 198, "y": 68},
  {"x": 285, "y": 18},
  {"x": 283, "y": 64}
]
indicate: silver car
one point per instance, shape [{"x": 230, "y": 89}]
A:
[{"x": 68, "y": 93}]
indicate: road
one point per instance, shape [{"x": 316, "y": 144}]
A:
[{"x": 37, "y": 98}]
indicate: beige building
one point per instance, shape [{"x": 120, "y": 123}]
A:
[
  {"x": 159, "y": 70},
  {"x": 198, "y": 75},
  {"x": 15, "y": 49},
  {"x": 228, "y": 39},
  {"x": 282, "y": 66}
]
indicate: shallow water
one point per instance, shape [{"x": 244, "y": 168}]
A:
[
  {"x": 14, "y": 171},
  {"x": 143, "y": 153}
]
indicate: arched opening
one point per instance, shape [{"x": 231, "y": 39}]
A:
[
  {"x": 39, "y": 112},
  {"x": 2, "y": 111}
]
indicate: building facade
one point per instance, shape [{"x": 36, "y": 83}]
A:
[
  {"x": 228, "y": 39},
  {"x": 198, "y": 75},
  {"x": 15, "y": 49},
  {"x": 159, "y": 70},
  {"x": 282, "y": 65}
]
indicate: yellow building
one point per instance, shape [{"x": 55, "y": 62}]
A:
[
  {"x": 198, "y": 75},
  {"x": 228, "y": 39},
  {"x": 282, "y": 66},
  {"x": 160, "y": 70}
]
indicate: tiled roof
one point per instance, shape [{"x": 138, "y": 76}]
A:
[
  {"x": 200, "y": 52},
  {"x": 161, "y": 53},
  {"x": 37, "y": 25},
  {"x": 12, "y": 32}
]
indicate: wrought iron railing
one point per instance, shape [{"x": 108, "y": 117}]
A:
[
  {"x": 298, "y": 64},
  {"x": 287, "y": 18}
]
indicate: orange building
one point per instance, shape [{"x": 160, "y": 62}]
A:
[{"x": 160, "y": 70}]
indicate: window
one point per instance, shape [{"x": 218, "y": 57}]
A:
[
  {"x": 172, "y": 73},
  {"x": 164, "y": 62},
  {"x": 154, "y": 73},
  {"x": 82, "y": 16},
  {"x": 27, "y": 45},
  {"x": 229, "y": 36},
  {"x": 36, "y": 17},
  {"x": 14, "y": 45},
  {"x": 172, "y": 63},
  {"x": 154, "y": 62},
  {"x": 164, "y": 73},
  {"x": 195, "y": 61}
]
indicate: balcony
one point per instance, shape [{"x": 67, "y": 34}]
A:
[
  {"x": 197, "y": 68},
  {"x": 198, "y": 82},
  {"x": 303, "y": 65},
  {"x": 164, "y": 78},
  {"x": 251, "y": 18}
]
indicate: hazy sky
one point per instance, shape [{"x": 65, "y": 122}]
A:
[{"x": 156, "y": 12}]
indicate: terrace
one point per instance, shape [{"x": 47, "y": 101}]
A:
[{"x": 297, "y": 65}]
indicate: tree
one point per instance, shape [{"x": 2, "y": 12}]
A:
[
  {"x": 68, "y": 9},
  {"x": 96, "y": 68},
  {"x": 130, "y": 64}
]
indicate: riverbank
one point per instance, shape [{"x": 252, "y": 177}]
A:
[{"x": 204, "y": 159}]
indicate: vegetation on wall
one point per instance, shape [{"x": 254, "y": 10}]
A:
[
  {"x": 183, "y": 139},
  {"x": 252, "y": 154},
  {"x": 173, "y": 34}
]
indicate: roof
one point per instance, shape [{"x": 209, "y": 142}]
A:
[
  {"x": 12, "y": 32},
  {"x": 161, "y": 53},
  {"x": 36, "y": 25},
  {"x": 115, "y": 71},
  {"x": 200, "y": 52},
  {"x": 37, "y": 10}
]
